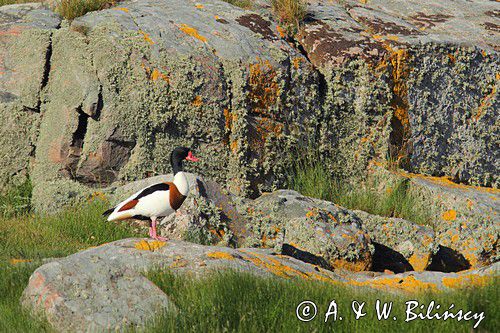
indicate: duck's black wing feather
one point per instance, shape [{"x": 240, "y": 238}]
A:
[{"x": 151, "y": 189}]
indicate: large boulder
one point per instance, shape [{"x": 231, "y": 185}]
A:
[
  {"x": 105, "y": 288},
  {"x": 307, "y": 227}
]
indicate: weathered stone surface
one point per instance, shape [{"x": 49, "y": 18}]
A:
[
  {"x": 429, "y": 281},
  {"x": 316, "y": 227},
  {"x": 25, "y": 46},
  {"x": 421, "y": 75},
  {"x": 104, "y": 288},
  {"x": 411, "y": 81},
  {"x": 415, "y": 243},
  {"x": 465, "y": 218}
]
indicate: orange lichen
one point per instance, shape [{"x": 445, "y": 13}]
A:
[
  {"x": 199, "y": 6},
  {"x": 452, "y": 58},
  {"x": 487, "y": 100},
  {"x": 419, "y": 261},
  {"x": 123, "y": 9},
  {"x": 354, "y": 266},
  {"x": 466, "y": 281},
  {"x": 192, "y": 32},
  {"x": 220, "y": 255},
  {"x": 197, "y": 101},
  {"x": 449, "y": 215},
  {"x": 281, "y": 31},
  {"x": 272, "y": 265},
  {"x": 149, "y": 246},
  {"x": 156, "y": 75},
  {"x": 446, "y": 181},
  {"x": 146, "y": 37},
  {"x": 407, "y": 283},
  {"x": 264, "y": 89},
  {"x": 296, "y": 62},
  {"x": 18, "y": 261}
]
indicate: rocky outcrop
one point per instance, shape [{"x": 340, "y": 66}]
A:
[
  {"x": 464, "y": 218},
  {"x": 105, "y": 288},
  {"x": 113, "y": 91},
  {"x": 309, "y": 228},
  {"x": 394, "y": 237}
]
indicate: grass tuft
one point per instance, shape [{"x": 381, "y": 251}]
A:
[
  {"x": 290, "y": 13},
  {"x": 240, "y": 302},
  {"x": 245, "y": 4},
  {"x": 16, "y": 201},
  {"x": 311, "y": 177},
  {"x": 71, "y": 9}
]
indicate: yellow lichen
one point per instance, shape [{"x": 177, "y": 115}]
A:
[
  {"x": 123, "y": 9},
  {"x": 192, "y": 32},
  {"x": 220, "y": 255},
  {"x": 197, "y": 101},
  {"x": 354, "y": 266},
  {"x": 449, "y": 215},
  {"x": 146, "y": 37},
  {"x": 407, "y": 283},
  {"x": 419, "y": 261},
  {"x": 464, "y": 281},
  {"x": 156, "y": 75},
  {"x": 149, "y": 246},
  {"x": 18, "y": 261}
]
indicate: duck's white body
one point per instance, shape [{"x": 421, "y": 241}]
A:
[{"x": 156, "y": 203}]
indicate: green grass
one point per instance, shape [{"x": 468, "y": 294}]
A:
[
  {"x": 245, "y": 4},
  {"x": 16, "y": 201},
  {"x": 290, "y": 13},
  {"x": 71, "y": 9},
  {"x": 239, "y": 302},
  {"x": 311, "y": 177}
]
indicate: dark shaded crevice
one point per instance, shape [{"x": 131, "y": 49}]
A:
[
  {"x": 448, "y": 260},
  {"x": 385, "y": 258},
  {"x": 305, "y": 256}
]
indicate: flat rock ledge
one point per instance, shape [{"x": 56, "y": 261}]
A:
[{"x": 105, "y": 288}]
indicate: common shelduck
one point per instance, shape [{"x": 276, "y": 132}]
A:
[{"x": 157, "y": 200}]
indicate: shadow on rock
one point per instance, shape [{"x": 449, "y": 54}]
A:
[
  {"x": 386, "y": 258},
  {"x": 448, "y": 260},
  {"x": 304, "y": 256}
]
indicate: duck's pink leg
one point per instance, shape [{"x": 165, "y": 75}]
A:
[{"x": 152, "y": 231}]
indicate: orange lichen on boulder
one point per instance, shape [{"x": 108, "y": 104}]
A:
[
  {"x": 197, "y": 101},
  {"x": 264, "y": 89},
  {"x": 272, "y": 265},
  {"x": 465, "y": 281},
  {"x": 449, "y": 215},
  {"x": 157, "y": 75},
  {"x": 487, "y": 100},
  {"x": 192, "y": 32},
  {"x": 407, "y": 284},
  {"x": 149, "y": 246},
  {"x": 220, "y": 255},
  {"x": 146, "y": 37},
  {"x": 419, "y": 261},
  {"x": 354, "y": 266}
]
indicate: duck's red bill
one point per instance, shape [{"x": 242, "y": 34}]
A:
[{"x": 191, "y": 157}]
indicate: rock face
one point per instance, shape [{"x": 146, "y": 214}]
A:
[
  {"x": 111, "y": 93},
  {"x": 104, "y": 288}
]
